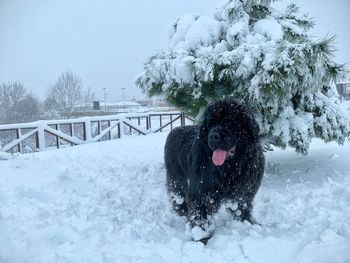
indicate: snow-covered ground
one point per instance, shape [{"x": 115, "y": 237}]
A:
[{"x": 106, "y": 202}]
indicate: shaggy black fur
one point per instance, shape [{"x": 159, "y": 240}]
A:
[{"x": 198, "y": 186}]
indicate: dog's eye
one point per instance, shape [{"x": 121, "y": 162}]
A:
[{"x": 232, "y": 151}]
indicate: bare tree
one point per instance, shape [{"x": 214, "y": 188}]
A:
[
  {"x": 65, "y": 93},
  {"x": 28, "y": 109},
  {"x": 88, "y": 96},
  {"x": 10, "y": 95},
  {"x": 17, "y": 105}
]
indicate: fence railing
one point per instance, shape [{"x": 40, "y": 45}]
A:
[{"x": 48, "y": 134}]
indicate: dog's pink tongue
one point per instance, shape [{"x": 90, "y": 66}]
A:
[{"x": 219, "y": 157}]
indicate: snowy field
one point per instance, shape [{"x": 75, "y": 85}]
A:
[{"x": 106, "y": 202}]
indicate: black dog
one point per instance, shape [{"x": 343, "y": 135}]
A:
[{"x": 219, "y": 161}]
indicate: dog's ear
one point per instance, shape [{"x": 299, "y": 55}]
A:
[
  {"x": 251, "y": 128},
  {"x": 204, "y": 118},
  {"x": 203, "y": 128}
]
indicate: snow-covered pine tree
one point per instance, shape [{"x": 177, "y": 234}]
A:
[{"x": 261, "y": 57}]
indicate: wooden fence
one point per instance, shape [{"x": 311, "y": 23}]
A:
[{"x": 48, "y": 134}]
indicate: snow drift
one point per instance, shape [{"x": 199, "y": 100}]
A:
[{"x": 106, "y": 202}]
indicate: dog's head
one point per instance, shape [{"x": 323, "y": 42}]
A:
[{"x": 227, "y": 127}]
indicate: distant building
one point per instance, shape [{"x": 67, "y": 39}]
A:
[
  {"x": 162, "y": 103},
  {"x": 96, "y": 105},
  {"x": 145, "y": 103},
  {"x": 97, "y": 108},
  {"x": 119, "y": 106},
  {"x": 344, "y": 89}
]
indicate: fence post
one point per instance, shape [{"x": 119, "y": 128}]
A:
[
  {"x": 149, "y": 122},
  {"x": 41, "y": 136},
  {"x": 139, "y": 122},
  {"x": 160, "y": 122},
  {"x": 99, "y": 124},
  {"x": 57, "y": 126},
  {"x": 109, "y": 133},
  {"x": 19, "y": 135},
  {"x": 182, "y": 117},
  {"x": 119, "y": 134},
  {"x": 87, "y": 126},
  {"x": 71, "y": 131},
  {"x": 37, "y": 140}
]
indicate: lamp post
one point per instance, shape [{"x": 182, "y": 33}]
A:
[
  {"x": 123, "y": 89},
  {"x": 105, "y": 97}
]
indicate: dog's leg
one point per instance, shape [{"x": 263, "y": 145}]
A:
[
  {"x": 243, "y": 212},
  {"x": 246, "y": 187},
  {"x": 178, "y": 203},
  {"x": 196, "y": 211},
  {"x": 241, "y": 205},
  {"x": 199, "y": 220},
  {"x": 177, "y": 192}
]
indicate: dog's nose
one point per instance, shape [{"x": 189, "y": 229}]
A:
[{"x": 214, "y": 137}]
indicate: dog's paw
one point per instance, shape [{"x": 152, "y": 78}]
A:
[
  {"x": 204, "y": 240},
  {"x": 201, "y": 233}
]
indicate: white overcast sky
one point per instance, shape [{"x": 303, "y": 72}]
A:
[{"x": 106, "y": 42}]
